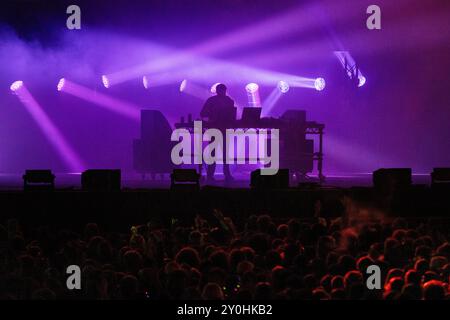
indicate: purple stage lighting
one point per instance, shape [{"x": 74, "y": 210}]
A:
[
  {"x": 61, "y": 83},
  {"x": 362, "y": 81},
  {"x": 52, "y": 133},
  {"x": 271, "y": 101},
  {"x": 145, "y": 82},
  {"x": 195, "y": 90},
  {"x": 161, "y": 79},
  {"x": 350, "y": 66},
  {"x": 319, "y": 84},
  {"x": 124, "y": 108},
  {"x": 283, "y": 24},
  {"x": 16, "y": 86},
  {"x": 251, "y": 87},
  {"x": 105, "y": 81},
  {"x": 283, "y": 86},
  {"x": 253, "y": 95},
  {"x": 301, "y": 82},
  {"x": 183, "y": 85},
  {"x": 213, "y": 87}
]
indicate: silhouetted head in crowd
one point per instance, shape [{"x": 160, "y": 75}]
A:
[
  {"x": 188, "y": 256},
  {"x": 412, "y": 277},
  {"x": 444, "y": 250},
  {"x": 212, "y": 291},
  {"x": 421, "y": 266},
  {"x": 320, "y": 294},
  {"x": 263, "y": 291},
  {"x": 412, "y": 292},
  {"x": 434, "y": 290},
  {"x": 132, "y": 261}
]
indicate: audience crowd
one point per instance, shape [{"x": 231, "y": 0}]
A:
[{"x": 216, "y": 259}]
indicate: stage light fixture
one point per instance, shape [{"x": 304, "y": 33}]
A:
[
  {"x": 61, "y": 84},
  {"x": 362, "y": 80},
  {"x": 319, "y": 84},
  {"x": 145, "y": 82},
  {"x": 350, "y": 66},
  {"x": 283, "y": 86},
  {"x": 214, "y": 87},
  {"x": 16, "y": 85},
  {"x": 253, "y": 95},
  {"x": 183, "y": 85},
  {"x": 105, "y": 81},
  {"x": 251, "y": 87}
]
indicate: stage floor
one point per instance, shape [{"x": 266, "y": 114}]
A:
[
  {"x": 10, "y": 181},
  {"x": 152, "y": 200}
]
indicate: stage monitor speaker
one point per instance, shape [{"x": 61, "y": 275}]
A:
[
  {"x": 38, "y": 180},
  {"x": 186, "y": 179},
  {"x": 101, "y": 180},
  {"x": 392, "y": 179},
  {"x": 440, "y": 178},
  {"x": 276, "y": 181}
]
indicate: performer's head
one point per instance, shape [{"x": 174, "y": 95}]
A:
[{"x": 221, "y": 89}]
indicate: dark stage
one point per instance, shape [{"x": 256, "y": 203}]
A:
[
  {"x": 142, "y": 203},
  {"x": 72, "y": 181}
]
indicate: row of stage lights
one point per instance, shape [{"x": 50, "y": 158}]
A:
[{"x": 283, "y": 86}]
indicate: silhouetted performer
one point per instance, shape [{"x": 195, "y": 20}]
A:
[{"x": 220, "y": 112}]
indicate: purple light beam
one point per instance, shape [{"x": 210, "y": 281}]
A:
[
  {"x": 65, "y": 151},
  {"x": 124, "y": 108}
]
